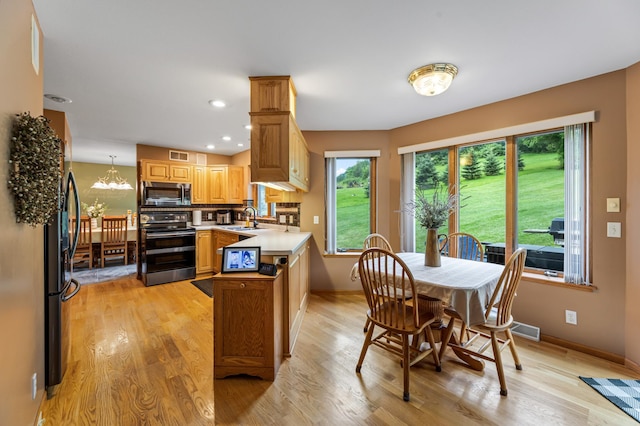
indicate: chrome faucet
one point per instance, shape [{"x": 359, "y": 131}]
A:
[{"x": 255, "y": 215}]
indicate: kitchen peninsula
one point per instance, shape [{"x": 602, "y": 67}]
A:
[{"x": 290, "y": 251}]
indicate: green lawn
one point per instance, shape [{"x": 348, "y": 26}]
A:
[{"x": 541, "y": 198}]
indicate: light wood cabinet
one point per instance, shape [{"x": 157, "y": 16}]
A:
[
  {"x": 296, "y": 296},
  {"x": 165, "y": 171},
  {"x": 247, "y": 323},
  {"x": 279, "y": 152},
  {"x": 277, "y": 196},
  {"x": 199, "y": 185},
  {"x": 221, "y": 239},
  {"x": 225, "y": 184},
  {"x": 204, "y": 252},
  {"x": 273, "y": 94}
]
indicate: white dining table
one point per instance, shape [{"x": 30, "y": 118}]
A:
[{"x": 466, "y": 285}]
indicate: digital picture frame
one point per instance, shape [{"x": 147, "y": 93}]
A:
[{"x": 240, "y": 259}]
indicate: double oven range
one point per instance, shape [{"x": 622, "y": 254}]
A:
[{"x": 167, "y": 247}]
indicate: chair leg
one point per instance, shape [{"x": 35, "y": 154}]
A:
[
  {"x": 514, "y": 352},
  {"x": 367, "y": 324},
  {"x": 498, "y": 360},
  {"x": 365, "y": 346},
  {"x": 405, "y": 366}
]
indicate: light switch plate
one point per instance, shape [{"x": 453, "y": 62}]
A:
[
  {"x": 316, "y": 220},
  {"x": 283, "y": 218},
  {"x": 614, "y": 229},
  {"x": 613, "y": 205}
]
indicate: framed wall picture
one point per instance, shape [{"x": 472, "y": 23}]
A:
[{"x": 240, "y": 259}]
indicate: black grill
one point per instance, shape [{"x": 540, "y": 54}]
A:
[
  {"x": 541, "y": 257},
  {"x": 557, "y": 231}
]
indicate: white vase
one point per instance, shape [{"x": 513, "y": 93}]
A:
[{"x": 94, "y": 222}]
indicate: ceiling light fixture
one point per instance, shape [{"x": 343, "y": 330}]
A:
[
  {"x": 226, "y": 138},
  {"x": 248, "y": 127},
  {"x": 59, "y": 99},
  {"x": 211, "y": 146},
  {"x": 112, "y": 180},
  {"x": 432, "y": 79},
  {"x": 217, "y": 103}
]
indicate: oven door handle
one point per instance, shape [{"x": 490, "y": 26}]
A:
[{"x": 151, "y": 236}]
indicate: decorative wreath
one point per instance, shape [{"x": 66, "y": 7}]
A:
[{"x": 34, "y": 177}]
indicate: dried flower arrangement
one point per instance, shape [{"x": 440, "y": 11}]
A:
[{"x": 34, "y": 175}]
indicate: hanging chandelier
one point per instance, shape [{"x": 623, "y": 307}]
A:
[{"x": 112, "y": 180}]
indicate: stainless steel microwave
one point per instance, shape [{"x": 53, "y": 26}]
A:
[{"x": 166, "y": 194}]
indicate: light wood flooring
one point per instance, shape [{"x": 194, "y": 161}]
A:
[{"x": 144, "y": 356}]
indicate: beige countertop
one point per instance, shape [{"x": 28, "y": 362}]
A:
[{"x": 272, "y": 241}]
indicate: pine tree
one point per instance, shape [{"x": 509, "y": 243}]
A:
[
  {"x": 471, "y": 170},
  {"x": 492, "y": 166},
  {"x": 520, "y": 162}
]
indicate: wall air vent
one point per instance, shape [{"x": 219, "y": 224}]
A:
[
  {"x": 525, "y": 330},
  {"x": 178, "y": 156},
  {"x": 201, "y": 159}
]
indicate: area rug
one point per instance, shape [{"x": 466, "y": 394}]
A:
[
  {"x": 97, "y": 275},
  {"x": 205, "y": 285},
  {"x": 625, "y": 394}
]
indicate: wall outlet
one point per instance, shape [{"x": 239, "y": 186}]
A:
[
  {"x": 283, "y": 218},
  {"x": 291, "y": 219},
  {"x": 571, "y": 317},
  {"x": 209, "y": 215},
  {"x": 34, "y": 386},
  {"x": 316, "y": 220}
]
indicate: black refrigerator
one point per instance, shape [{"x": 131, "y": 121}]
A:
[{"x": 59, "y": 247}]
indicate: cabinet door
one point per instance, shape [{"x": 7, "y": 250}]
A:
[
  {"x": 304, "y": 279},
  {"x": 217, "y": 185},
  {"x": 270, "y": 147},
  {"x": 155, "y": 171},
  {"x": 272, "y": 195},
  {"x": 243, "y": 323},
  {"x": 204, "y": 258},
  {"x": 180, "y": 173},
  {"x": 199, "y": 186},
  {"x": 216, "y": 258},
  {"x": 237, "y": 191}
]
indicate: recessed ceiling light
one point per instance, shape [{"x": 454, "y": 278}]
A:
[
  {"x": 59, "y": 99},
  {"x": 240, "y": 144},
  {"x": 248, "y": 127},
  {"x": 217, "y": 103},
  {"x": 211, "y": 146},
  {"x": 226, "y": 138}
]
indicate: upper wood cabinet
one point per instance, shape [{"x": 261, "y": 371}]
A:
[
  {"x": 277, "y": 196},
  {"x": 199, "y": 185},
  {"x": 161, "y": 171},
  {"x": 273, "y": 94},
  {"x": 225, "y": 184},
  {"x": 279, "y": 153}
]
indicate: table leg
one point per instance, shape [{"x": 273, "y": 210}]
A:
[{"x": 435, "y": 306}]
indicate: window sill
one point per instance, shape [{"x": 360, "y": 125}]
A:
[
  {"x": 347, "y": 254},
  {"x": 556, "y": 282}
]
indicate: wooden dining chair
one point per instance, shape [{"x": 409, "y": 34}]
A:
[
  {"x": 463, "y": 246},
  {"x": 389, "y": 288},
  {"x": 375, "y": 240},
  {"x": 498, "y": 319},
  {"x": 114, "y": 238},
  {"x": 84, "y": 248}
]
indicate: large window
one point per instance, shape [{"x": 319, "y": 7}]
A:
[
  {"x": 350, "y": 201},
  {"x": 523, "y": 190}
]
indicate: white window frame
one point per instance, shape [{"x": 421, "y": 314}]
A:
[{"x": 330, "y": 191}]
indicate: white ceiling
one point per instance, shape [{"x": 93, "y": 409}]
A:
[{"x": 142, "y": 71}]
